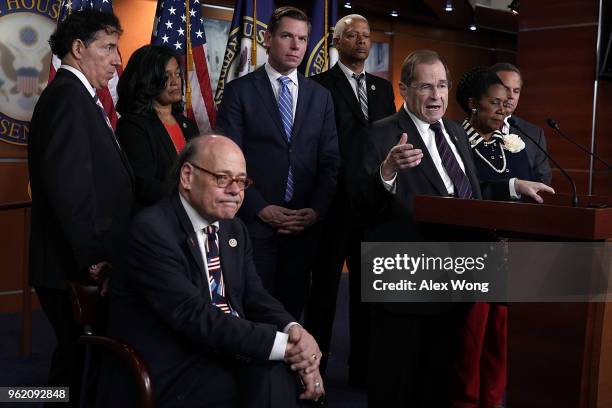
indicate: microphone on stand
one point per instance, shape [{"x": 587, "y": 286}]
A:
[
  {"x": 555, "y": 126},
  {"x": 512, "y": 123}
]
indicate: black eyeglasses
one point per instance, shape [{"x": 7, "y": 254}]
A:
[{"x": 223, "y": 180}]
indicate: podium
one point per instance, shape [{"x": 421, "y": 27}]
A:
[{"x": 559, "y": 354}]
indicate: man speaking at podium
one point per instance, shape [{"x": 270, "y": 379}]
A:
[{"x": 417, "y": 151}]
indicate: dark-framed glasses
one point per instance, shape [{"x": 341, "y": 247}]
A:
[{"x": 224, "y": 180}]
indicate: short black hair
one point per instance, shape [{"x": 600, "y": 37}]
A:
[
  {"x": 143, "y": 79},
  {"x": 474, "y": 84},
  {"x": 506, "y": 66},
  {"x": 286, "y": 11},
  {"x": 82, "y": 25}
]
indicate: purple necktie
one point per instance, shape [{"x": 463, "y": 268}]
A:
[{"x": 463, "y": 189}]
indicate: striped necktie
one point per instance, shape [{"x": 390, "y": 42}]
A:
[
  {"x": 463, "y": 189},
  {"x": 106, "y": 119},
  {"x": 215, "y": 274},
  {"x": 362, "y": 92},
  {"x": 285, "y": 106}
]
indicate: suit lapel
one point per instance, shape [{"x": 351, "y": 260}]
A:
[
  {"x": 341, "y": 83},
  {"x": 264, "y": 89},
  {"x": 229, "y": 259},
  {"x": 303, "y": 102},
  {"x": 373, "y": 93},
  {"x": 191, "y": 241},
  {"x": 166, "y": 141},
  {"x": 427, "y": 166}
]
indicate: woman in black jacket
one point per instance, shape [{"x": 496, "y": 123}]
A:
[{"x": 152, "y": 128}]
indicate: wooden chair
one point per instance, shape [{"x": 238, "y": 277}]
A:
[{"x": 84, "y": 305}]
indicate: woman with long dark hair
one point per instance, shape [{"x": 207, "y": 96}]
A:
[{"x": 152, "y": 128}]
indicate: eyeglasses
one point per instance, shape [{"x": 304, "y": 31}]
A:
[
  {"x": 428, "y": 89},
  {"x": 223, "y": 180}
]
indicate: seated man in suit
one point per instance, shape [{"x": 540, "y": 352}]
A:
[
  {"x": 512, "y": 78},
  {"x": 418, "y": 151},
  {"x": 360, "y": 98},
  {"x": 192, "y": 304},
  {"x": 285, "y": 125}
]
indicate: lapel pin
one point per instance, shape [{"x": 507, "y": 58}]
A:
[
  {"x": 373, "y": 87},
  {"x": 233, "y": 243}
]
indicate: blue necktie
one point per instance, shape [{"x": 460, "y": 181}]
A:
[
  {"x": 463, "y": 189},
  {"x": 285, "y": 106},
  {"x": 215, "y": 275}
]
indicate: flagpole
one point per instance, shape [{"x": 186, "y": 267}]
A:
[
  {"x": 325, "y": 49},
  {"x": 254, "y": 36},
  {"x": 189, "y": 57}
]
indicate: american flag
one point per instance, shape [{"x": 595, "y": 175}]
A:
[
  {"x": 108, "y": 95},
  {"x": 170, "y": 29}
]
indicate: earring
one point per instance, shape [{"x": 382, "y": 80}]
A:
[{"x": 474, "y": 111}]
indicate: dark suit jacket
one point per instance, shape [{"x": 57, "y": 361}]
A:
[
  {"x": 162, "y": 305},
  {"x": 538, "y": 161},
  {"x": 149, "y": 148},
  {"x": 81, "y": 182},
  {"x": 350, "y": 121},
  {"x": 249, "y": 115},
  {"x": 390, "y": 216}
]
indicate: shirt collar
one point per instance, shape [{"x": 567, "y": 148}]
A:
[
  {"x": 347, "y": 71},
  {"x": 81, "y": 77},
  {"x": 198, "y": 222},
  {"x": 274, "y": 74},
  {"x": 475, "y": 138},
  {"x": 421, "y": 125}
]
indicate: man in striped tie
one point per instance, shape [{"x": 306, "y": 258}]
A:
[
  {"x": 193, "y": 305},
  {"x": 417, "y": 151},
  {"x": 285, "y": 125}
]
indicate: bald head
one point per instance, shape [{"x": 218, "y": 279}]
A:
[
  {"x": 213, "y": 147},
  {"x": 210, "y": 168}
]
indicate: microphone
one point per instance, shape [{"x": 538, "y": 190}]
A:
[
  {"x": 555, "y": 126},
  {"x": 512, "y": 123}
]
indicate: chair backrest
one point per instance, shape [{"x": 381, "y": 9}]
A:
[
  {"x": 84, "y": 304},
  {"x": 85, "y": 301}
]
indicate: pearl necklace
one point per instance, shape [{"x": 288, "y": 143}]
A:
[{"x": 503, "y": 155}]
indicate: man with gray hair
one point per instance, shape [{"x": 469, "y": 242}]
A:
[
  {"x": 417, "y": 151},
  {"x": 359, "y": 99}
]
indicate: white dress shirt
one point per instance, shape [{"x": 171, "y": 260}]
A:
[
  {"x": 273, "y": 76},
  {"x": 199, "y": 223},
  {"x": 349, "y": 75},
  {"x": 81, "y": 77},
  {"x": 428, "y": 137}
]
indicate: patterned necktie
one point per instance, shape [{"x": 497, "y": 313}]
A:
[
  {"x": 463, "y": 189},
  {"x": 106, "y": 119},
  {"x": 362, "y": 92},
  {"x": 215, "y": 275},
  {"x": 285, "y": 106}
]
